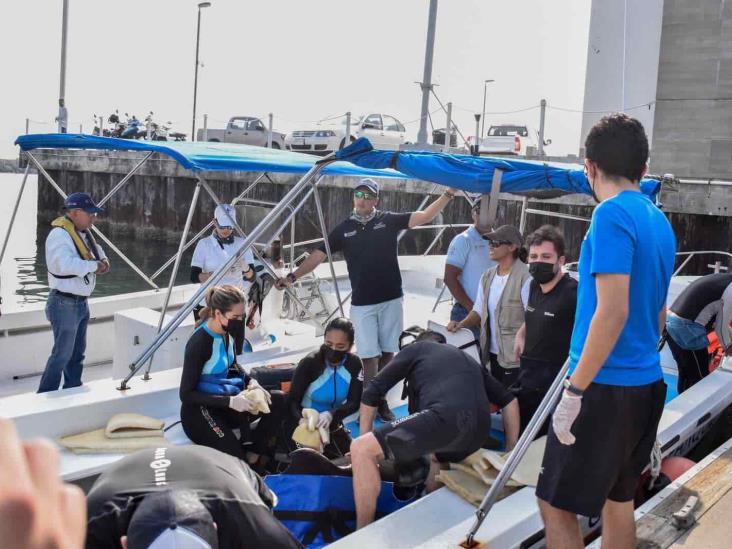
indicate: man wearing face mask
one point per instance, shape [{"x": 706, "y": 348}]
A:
[{"x": 542, "y": 343}]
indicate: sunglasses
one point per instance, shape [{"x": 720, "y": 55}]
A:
[
  {"x": 224, "y": 227},
  {"x": 496, "y": 243},
  {"x": 364, "y": 195}
]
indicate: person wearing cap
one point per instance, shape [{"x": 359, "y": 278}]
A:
[
  {"x": 191, "y": 497},
  {"x": 501, "y": 298},
  {"x": 215, "y": 250},
  {"x": 369, "y": 242},
  {"x": 467, "y": 259},
  {"x": 73, "y": 259}
]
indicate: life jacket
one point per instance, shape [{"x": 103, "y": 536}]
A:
[{"x": 82, "y": 249}]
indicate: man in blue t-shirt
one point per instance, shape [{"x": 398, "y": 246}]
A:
[
  {"x": 604, "y": 427},
  {"x": 369, "y": 241},
  {"x": 467, "y": 259}
]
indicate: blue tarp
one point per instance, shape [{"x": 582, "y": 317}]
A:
[
  {"x": 202, "y": 156},
  {"x": 469, "y": 173}
]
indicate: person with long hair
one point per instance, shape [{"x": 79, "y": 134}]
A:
[
  {"x": 330, "y": 381},
  {"x": 500, "y": 301},
  {"x": 212, "y": 385}
]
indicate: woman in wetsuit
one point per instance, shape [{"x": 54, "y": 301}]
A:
[
  {"x": 329, "y": 380},
  {"x": 212, "y": 385}
]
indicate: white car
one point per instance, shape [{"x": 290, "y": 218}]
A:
[
  {"x": 508, "y": 139},
  {"x": 383, "y": 130}
]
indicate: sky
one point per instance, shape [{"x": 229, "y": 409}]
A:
[{"x": 300, "y": 60}]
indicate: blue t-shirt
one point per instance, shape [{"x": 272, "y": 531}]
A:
[
  {"x": 469, "y": 252},
  {"x": 628, "y": 235}
]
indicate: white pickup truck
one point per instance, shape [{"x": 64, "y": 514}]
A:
[
  {"x": 247, "y": 130},
  {"x": 508, "y": 139}
]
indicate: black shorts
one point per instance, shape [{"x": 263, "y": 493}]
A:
[
  {"x": 615, "y": 432},
  {"x": 450, "y": 435}
]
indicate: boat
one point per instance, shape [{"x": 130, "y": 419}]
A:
[{"x": 149, "y": 328}]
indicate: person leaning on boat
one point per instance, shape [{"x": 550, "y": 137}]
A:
[
  {"x": 73, "y": 259},
  {"x": 707, "y": 300},
  {"x": 604, "y": 427},
  {"x": 212, "y": 385},
  {"x": 542, "y": 343},
  {"x": 500, "y": 301},
  {"x": 449, "y": 396},
  {"x": 215, "y": 250},
  {"x": 369, "y": 242},
  {"x": 330, "y": 381},
  {"x": 467, "y": 259}
]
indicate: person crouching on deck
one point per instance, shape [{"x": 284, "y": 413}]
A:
[{"x": 215, "y": 390}]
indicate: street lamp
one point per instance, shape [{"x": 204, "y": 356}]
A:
[
  {"x": 62, "y": 118},
  {"x": 485, "y": 89},
  {"x": 195, "y": 78}
]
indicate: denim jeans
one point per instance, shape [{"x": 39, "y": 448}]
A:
[
  {"x": 686, "y": 333},
  {"x": 68, "y": 317},
  {"x": 458, "y": 313}
]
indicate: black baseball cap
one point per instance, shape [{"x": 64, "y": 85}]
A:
[
  {"x": 81, "y": 201},
  {"x": 172, "y": 519},
  {"x": 370, "y": 184},
  {"x": 505, "y": 233}
]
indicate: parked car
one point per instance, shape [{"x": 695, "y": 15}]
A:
[
  {"x": 508, "y": 139},
  {"x": 383, "y": 130},
  {"x": 248, "y": 130}
]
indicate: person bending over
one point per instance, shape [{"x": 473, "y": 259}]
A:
[
  {"x": 449, "y": 405},
  {"x": 212, "y": 385}
]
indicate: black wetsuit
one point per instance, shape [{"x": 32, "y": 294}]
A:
[
  {"x": 449, "y": 403},
  {"x": 549, "y": 321},
  {"x": 237, "y": 498},
  {"x": 207, "y": 418}
]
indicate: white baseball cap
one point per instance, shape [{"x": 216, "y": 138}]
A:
[{"x": 224, "y": 215}]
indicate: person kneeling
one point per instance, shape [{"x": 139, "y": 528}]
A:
[
  {"x": 329, "y": 381},
  {"x": 449, "y": 404},
  {"x": 216, "y": 394}
]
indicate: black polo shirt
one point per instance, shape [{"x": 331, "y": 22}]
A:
[
  {"x": 370, "y": 251},
  {"x": 550, "y": 320}
]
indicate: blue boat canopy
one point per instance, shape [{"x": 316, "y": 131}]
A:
[
  {"x": 469, "y": 173},
  {"x": 475, "y": 173}
]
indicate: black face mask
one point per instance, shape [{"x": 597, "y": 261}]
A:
[
  {"x": 221, "y": 240},
  {"x": 235, "y": 328},
  {"x": 542, "y": 272},
  {"x": 332, "y": 355}
]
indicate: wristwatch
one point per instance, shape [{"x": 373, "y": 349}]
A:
[
  {"x": 291, "y": 277},
  {"x": 572, "y": 389}
]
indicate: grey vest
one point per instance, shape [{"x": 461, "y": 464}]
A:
[{"x": 509, "y": 314}]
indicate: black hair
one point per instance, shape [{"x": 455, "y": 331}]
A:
[
  {"x": 430, "y": 335},
  {"x": 619, "y": 146},
  {"x": 344, "y": 325},
  {"x": 547, "y": 233},
  {"x": 521, "y": 253}
]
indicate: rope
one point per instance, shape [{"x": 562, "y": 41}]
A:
[{"x": 656, "y": 458}]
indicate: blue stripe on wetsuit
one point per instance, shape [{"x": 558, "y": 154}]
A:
[
  {"x": 329, "y": 390},
  {"x": 214, "y": 373}
]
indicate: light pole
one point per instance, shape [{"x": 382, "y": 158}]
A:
[
  {"x": 426, "y": 83},
  {"x": 195, "y": 78},
  {"x": 62, "y": 117},
  {"x": 485, "y": 90}
]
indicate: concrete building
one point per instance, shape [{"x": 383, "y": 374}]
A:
[{"x": 669, "y": 64}]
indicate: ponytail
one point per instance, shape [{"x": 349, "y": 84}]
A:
[
  {"x": 521, "y": 254},
  {"x": 220, "y": 298}
]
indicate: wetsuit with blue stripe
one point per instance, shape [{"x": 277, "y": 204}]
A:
[{"x": 210, "y": 377}]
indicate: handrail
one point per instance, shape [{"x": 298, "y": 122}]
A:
[{"x": 692, "y": 254}]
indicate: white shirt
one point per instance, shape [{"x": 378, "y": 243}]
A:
[
  {"x": 62, "y": 258},
  {"x": 494, "y": 296},
  {"x": 210, "y": 254}
]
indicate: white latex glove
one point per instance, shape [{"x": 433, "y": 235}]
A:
[
  {"x": 564, "y": 417},
  {"x": 240, "y": 403},
  {"x": 254, "y": 384},
  {"x": 324, "y": 419}
]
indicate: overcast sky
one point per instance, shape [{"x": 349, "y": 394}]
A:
[{"x": 301, "y": 60}]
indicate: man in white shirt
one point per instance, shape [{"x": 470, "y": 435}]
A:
[{"x": 73, "y": 259}]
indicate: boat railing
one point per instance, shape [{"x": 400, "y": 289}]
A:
[{"x": 717, "y": 267}]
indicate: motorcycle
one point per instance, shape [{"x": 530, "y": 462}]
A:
[
  {"x": 155, "y": 131},
  {"x": 134, "y": 129},
  {"x": 116, "y": 125}
]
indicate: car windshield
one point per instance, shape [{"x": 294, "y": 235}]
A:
[
  {"x": 355, "y": 120},
  {"x": 508, "y": 131}
]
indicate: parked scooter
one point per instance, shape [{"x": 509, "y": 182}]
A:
[
  {"x": 116, "y": 125},
  {"x": 177, "y": 136},
  {"x": 134, "y": 129},
  {"x": 155, "y": 131}
]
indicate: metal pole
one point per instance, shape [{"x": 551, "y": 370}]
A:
[
  {"x": 522, "y": 219},
  {"x": 347, "y": 139},
  {"x": 125, "y": 179},
  {"x": 542, "y": 117},
  {"x": 171, "y": 283},
  {"x": 546, "y": 406},
  {"x": 218, "y": 275},
  {"x": 15, "y": 211},
  {"x": 27, "y": 126},
  {"x": 426, "y": 83},
  {"x": 482, "y": 125},
  {"x": 195, "y": 75},
  {"x": 101, "y": 126},
  {"x": 292, "y": 243},
  {"x": 62, "y": 79},
  {"x": 108, "y": 242},
  {"x": 476, "y": 150},
  {"x": 488, "y": 216},
  {"x": 269, "y": 134},
  {"x": 81, "y": 128},
  {"x": 205, "y": 127},
  {"x": 324, "y": 230},
  {"x": 448, "y": 130}
]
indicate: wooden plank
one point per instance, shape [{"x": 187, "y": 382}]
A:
[
  {"x": 712, "y": 530},
  {"x": 711, "y": 484}
]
